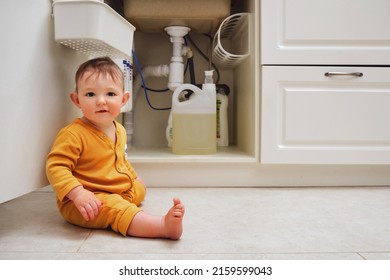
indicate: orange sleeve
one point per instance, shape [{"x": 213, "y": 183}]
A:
[{"x": 61, "y": 161}]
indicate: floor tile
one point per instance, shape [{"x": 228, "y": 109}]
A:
[
  {"x": 175, "y": 256},
  {"x": 253, "y": 221},
  {"x": 31, "y": 223},
  {"x": 376, "y": 256},
  {"x": 220, "y": 223}
]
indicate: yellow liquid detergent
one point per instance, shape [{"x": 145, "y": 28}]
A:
[
  {"x": 194, "y": 134},
  {"x": 194, "y": 119}
]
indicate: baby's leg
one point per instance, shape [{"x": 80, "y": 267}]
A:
[{"x": 168, "y": 226}]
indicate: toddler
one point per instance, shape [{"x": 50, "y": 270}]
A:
[{"x": 96, "y": 186}]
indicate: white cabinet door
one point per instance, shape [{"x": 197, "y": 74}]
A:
[
  {"x": 331, "y": 32},
  {"x": 309, "y": 117}
]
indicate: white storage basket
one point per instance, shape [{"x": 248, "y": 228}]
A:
[
  {"x": 234, "y": 32},
  {"x": 92, "y": 28}
]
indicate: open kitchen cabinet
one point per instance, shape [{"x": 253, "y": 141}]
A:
[{"x": 149, "y": 143}]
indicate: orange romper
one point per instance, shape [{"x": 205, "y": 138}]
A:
[{"x": 83, "y": 155}]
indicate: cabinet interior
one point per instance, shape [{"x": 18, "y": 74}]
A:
[{"x": 149, "y": 138}]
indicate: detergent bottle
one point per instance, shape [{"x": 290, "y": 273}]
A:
[
  {"x": 194, "y": 119},
  {"x": 222, "y": 118}
]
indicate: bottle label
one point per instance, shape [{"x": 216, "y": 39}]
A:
[{"x": 219, "y": 104}]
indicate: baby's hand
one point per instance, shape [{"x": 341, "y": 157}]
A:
[{"x": 86, "y": 202}]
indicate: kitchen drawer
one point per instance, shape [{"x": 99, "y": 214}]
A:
[
  {"x": 308, "y": 117},
  {"x": 332, "y": 32}
]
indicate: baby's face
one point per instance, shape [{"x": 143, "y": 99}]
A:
[{"x": 100, "y": 97}]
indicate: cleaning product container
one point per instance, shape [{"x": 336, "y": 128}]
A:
[{"x": 194, "y": 121}]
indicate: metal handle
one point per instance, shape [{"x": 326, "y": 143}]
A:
[{"x": 356, "y": 74}]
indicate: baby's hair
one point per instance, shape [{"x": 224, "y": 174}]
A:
[{"x": 101, "y": 65}]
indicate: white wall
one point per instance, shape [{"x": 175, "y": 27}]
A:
[{"x": 36, "y": 75}]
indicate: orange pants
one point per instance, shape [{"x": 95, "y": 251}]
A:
[{"x": 118, "y": 210}]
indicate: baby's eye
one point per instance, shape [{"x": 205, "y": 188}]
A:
[
  {"x": 111, "y": 94},
  {"x": 90, "y": 94}
]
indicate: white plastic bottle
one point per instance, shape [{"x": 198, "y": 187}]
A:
[
  {"x": 169, "y": 131},
  {"x": 194, "y": 120},
  {"x": 129, "y": 127},
  {"x": 127, "y": 66},
  {"x": 222, "y": 119}
]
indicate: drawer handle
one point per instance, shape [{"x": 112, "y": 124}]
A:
[{"x": 355, "y": 74}]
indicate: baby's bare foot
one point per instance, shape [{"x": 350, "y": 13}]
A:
[{"x": 173, "y": 220}]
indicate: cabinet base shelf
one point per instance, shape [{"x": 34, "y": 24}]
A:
[{"x": 223, "y": 155}]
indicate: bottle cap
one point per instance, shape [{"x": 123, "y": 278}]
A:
[{"x": 208, "y": 76}]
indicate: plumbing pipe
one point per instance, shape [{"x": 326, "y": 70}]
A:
[
  {"x": 176, "y": 67},
  {"x": 149, "y": 71},
  {"x": 187, "y": 51},
  {"x": 175, "y": 70}
]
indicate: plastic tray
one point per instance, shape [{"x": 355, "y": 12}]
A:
[{"x": 92, "y": 28}]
